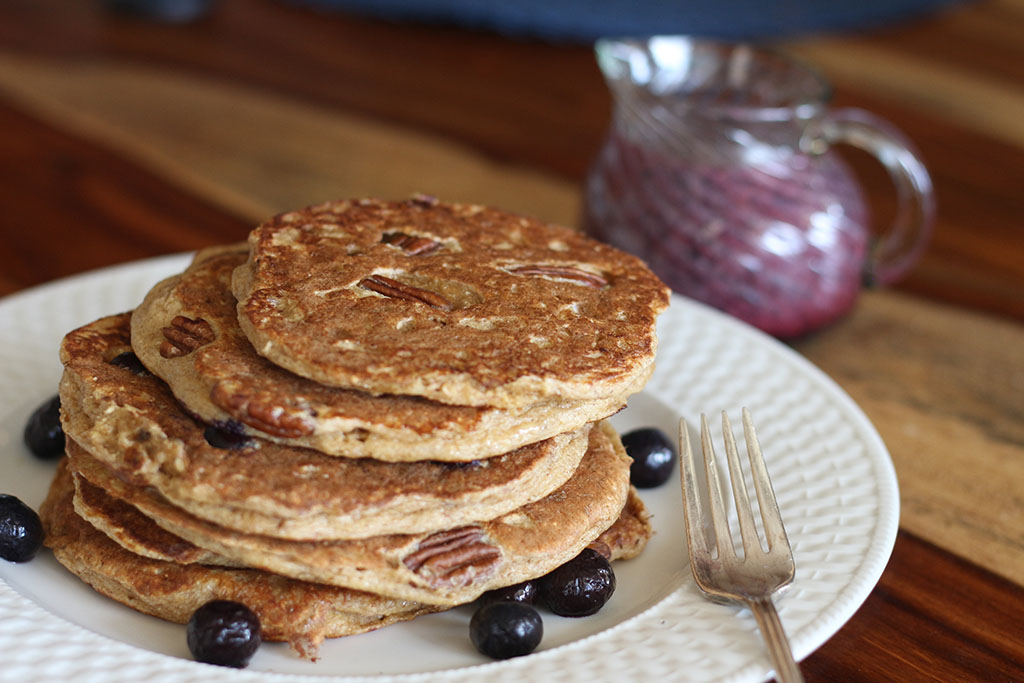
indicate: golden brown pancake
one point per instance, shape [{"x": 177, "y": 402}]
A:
[
  {"x": 444, "y": 568},
  {"x": 458, "y": 303},
  {"x": 300, "y": 613},
  {"x": 133, "y": 423},
  {"x": 225, "y": 381},
  {"x": 135, "y": 532}
]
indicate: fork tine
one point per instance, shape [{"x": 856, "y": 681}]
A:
[
  {"x": 695, "y": 536},
  {"x": 723, "y": 537},
  {"x": 770, "y": 515},
  {"x": 748, "y": 531}
]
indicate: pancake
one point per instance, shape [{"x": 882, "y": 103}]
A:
[
  {"x": 444, "y": 568},
  {"x": 224, "y": 381},
  {"x": 132, "y": 422},
  {"x": 297, "y": 612},
  {"x": 133, "y": 531},
  {"x": 628, "y": 536},
  {"x": 457, "y": 303},
  {"x": 138, "y": 534}
]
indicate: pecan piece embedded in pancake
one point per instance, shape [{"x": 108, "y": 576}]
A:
[
  {"x": 185, "y": 335},
  {"x": 579, "y": 275},
  {"x": 399, "y": 290},
  {"x": 260, "y": 412},
  {"x": 455, "y": 557},
  {"x": 411, "y": 244}
]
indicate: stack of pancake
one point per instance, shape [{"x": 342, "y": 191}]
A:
[{"x": 371, "y": 411}]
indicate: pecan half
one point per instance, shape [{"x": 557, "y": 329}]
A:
[
  {"x": 424, "y": 200},
  {"x": 261, "y": 411},
  {"x": 410, "y": 244},
  {"x": 185, "y": 335},
  {"x": 455, "y": 557},
  {"x": 400, "y": 290},
  {"x": 583, "y": 277}
]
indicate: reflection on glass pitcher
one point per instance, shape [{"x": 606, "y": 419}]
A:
[{"x": 718, "y": 170}]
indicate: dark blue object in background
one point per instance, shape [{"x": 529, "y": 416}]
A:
[
  {"x": 170, "y": 11},
  {"x": 587, "y": 20}
]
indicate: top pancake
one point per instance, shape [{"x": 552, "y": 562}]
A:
[{"x": 458, "y": 303}]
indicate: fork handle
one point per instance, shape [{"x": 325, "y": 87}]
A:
[{"x": 786, "y": 669}]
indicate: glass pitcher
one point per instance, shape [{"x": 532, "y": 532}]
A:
[{"x": 719, "y": 171}]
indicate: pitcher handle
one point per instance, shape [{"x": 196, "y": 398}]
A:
[{"x": 894, "y": 252}]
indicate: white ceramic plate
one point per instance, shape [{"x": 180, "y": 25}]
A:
[{"x": 832, "y": 474}]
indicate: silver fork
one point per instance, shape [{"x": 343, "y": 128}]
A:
[{"x": 754, "y": 577}]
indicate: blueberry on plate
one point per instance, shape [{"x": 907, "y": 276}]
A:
[
  {"x": 21, "y": 532},
  {"x": 223, "y": 632},
  {"x": 502, "y": 630},
  {"x": 525, "y": 592},
  {"x": 653, "y": 455},
  {"x": 43, "y": 434},
  {"x": 580, "y": 587}
]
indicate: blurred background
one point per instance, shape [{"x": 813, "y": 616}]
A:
[
  {"x": 263, "y": 105},
  {"x": 130, "y": 129},
  {"x": 582, "y": 21}
]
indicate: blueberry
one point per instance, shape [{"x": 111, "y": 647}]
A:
[
  {"x": 43, "y": 434},
  {"x": 227, "y": 435},
  {"x": 502, "y": 630},
  {"x": 130, "y": 362},
  {"x": 653, "y": 455},
  {"x": 580, "y": 587},
  {"x": 224, "y": 633},
  {"x": 471, "y": 465},
  {"x": 525, "y": 592},
  {"x": 21, "y": 532}
]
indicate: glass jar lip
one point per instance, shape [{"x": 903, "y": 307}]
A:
[{"x": 653, "y": 65}]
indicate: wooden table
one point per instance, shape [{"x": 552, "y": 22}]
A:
[{"x": 122, "y": 139}]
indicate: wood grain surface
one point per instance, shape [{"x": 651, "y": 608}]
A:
[
  {"x": 931, "y": 618},
  {"x": 122, "y": 139}
]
